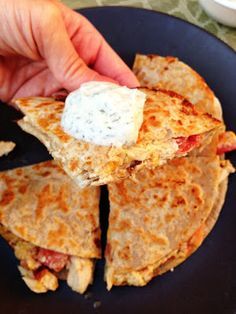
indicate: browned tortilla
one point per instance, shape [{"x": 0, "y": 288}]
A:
[
  {"x": 163, "y": 216},
  {"x": 41, "y": 207},
  {"x": 167, "y": 116},
  {"x": 173, "y": 74}
]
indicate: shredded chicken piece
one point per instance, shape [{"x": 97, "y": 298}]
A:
[
  {"x": 6, "y": 147},
  {"x": 80, "y": 273},
  {"x": 47, "y": 280}
]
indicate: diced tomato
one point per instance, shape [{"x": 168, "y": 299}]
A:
[
  {"x": 53, "y": 260},
  {"x": 187, "y": 143},
  {"x": 227, "y": 142},
  {"x": 225, "y": 149}
]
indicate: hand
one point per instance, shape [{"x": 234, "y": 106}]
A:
[{"x": 45, "y": 46}]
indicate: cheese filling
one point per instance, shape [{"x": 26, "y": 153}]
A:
[{"x": 104, "y": 113}]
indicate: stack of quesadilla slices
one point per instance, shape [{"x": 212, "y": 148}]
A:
[
  {"x": 172, "y": 127},
  {"x": 163, "y": 216},
  {"x": 158, "y": 216}
]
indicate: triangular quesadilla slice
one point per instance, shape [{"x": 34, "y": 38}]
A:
[
  {"x": 6, "y": 147},
  {"x": 157, "y": 221},
  {"x": 171, "y": 128},
  {"x": 52, "y": 225},
  {"x": 170, "y": 73}
]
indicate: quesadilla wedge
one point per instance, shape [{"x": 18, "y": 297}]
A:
[
  {"x": 6, "y": 147},
  {"x": 171, "y": 128},
  {"x": 170, "y": 73},
  {"x": 158, "y": 221},
  {"x": 52, "y": 225}
]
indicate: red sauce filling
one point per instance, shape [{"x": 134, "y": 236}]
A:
[
  {"x": 225, "y": 149},
  {"x": 53, "y": 260},
  {"x": 187, "y": 143},
  {"x": 226, "y": 142}
]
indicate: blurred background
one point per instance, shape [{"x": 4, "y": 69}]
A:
[{"x": 189, "y": 10}]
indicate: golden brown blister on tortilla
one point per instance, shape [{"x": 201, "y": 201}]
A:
[
  {"x": 167, "y": 116},
  {"x": 194, "y": 242},
  {"x": 153, "y": 218}
]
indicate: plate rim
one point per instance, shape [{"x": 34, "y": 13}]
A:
[{"x": 152, "y": 11}]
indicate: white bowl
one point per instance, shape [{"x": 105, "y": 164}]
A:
[{"x": 223, "y": 11}]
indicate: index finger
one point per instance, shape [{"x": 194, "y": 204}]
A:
[
  {"x": 110, "y": 64},
  {"x": 94, "y": 50}
]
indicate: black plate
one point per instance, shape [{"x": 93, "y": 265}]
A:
[{"x": 206, "y": 282}]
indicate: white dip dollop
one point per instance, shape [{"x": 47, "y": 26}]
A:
[{"x": 104, "y": 113}]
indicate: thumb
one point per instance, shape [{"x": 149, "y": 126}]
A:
[{"x": 60, "y": 55}]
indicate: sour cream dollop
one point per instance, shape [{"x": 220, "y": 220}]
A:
[{"x": 104, "y": 113}]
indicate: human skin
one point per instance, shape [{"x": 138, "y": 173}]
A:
[{"x": 45, "y": 46}]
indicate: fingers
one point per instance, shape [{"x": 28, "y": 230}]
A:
[
  {"x": 110, "y": 64},
  {"x": 24, "y": 78},
  {"x": 94, "y": 50},
  {"x": 41, "y": 84},
  {"x": 59, "y": 53},
  {"x": 48, "y": 31}
]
